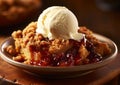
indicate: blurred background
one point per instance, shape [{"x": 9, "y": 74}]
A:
[{"x": 101, "y": 16}]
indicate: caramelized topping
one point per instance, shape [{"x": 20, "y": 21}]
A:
[{"x": 32, "y": 48}]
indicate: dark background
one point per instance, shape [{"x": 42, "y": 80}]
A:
[{"x": 89, "y": 14}]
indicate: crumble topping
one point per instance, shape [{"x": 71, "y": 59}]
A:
[{"x": 32, "y": 48}]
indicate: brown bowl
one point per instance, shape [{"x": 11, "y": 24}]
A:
[{"x": 60, "y": 72}]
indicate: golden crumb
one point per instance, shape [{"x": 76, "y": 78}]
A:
[{"x": 33, "y": 48}]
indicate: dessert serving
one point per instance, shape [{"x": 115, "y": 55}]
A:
[{"x": 57, "y": 40}]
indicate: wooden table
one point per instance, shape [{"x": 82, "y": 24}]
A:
[
  {"x": 109, "y": 73},
  {"x": 103, "y": 22}
]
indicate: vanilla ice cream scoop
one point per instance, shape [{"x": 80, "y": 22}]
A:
[{"x": 58, "y": 22}]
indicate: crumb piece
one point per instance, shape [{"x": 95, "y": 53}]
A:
[
  {"x": 19, "y": 58},
  {"x": 102, "y": 48},
  {"x": 83, "y": 52},
  {"x": 10, "y": 49},
  {"x": 59, "y": 46},
  {"x": 85, "y": 30}
]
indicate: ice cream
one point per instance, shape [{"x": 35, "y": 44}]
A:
[{"x": 58, "y": 22}]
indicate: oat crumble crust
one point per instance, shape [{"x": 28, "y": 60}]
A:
[{"x": 28, "y": 38}]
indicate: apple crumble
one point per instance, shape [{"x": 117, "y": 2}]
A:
[{"x": 35, "y": 49}]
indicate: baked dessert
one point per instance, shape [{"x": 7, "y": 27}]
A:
[
  {"x": 17, "y": 11},
  {"x": 54, "y": 43}
]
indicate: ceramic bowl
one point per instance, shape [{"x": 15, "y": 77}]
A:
[{"x": 60, "y": 72}]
